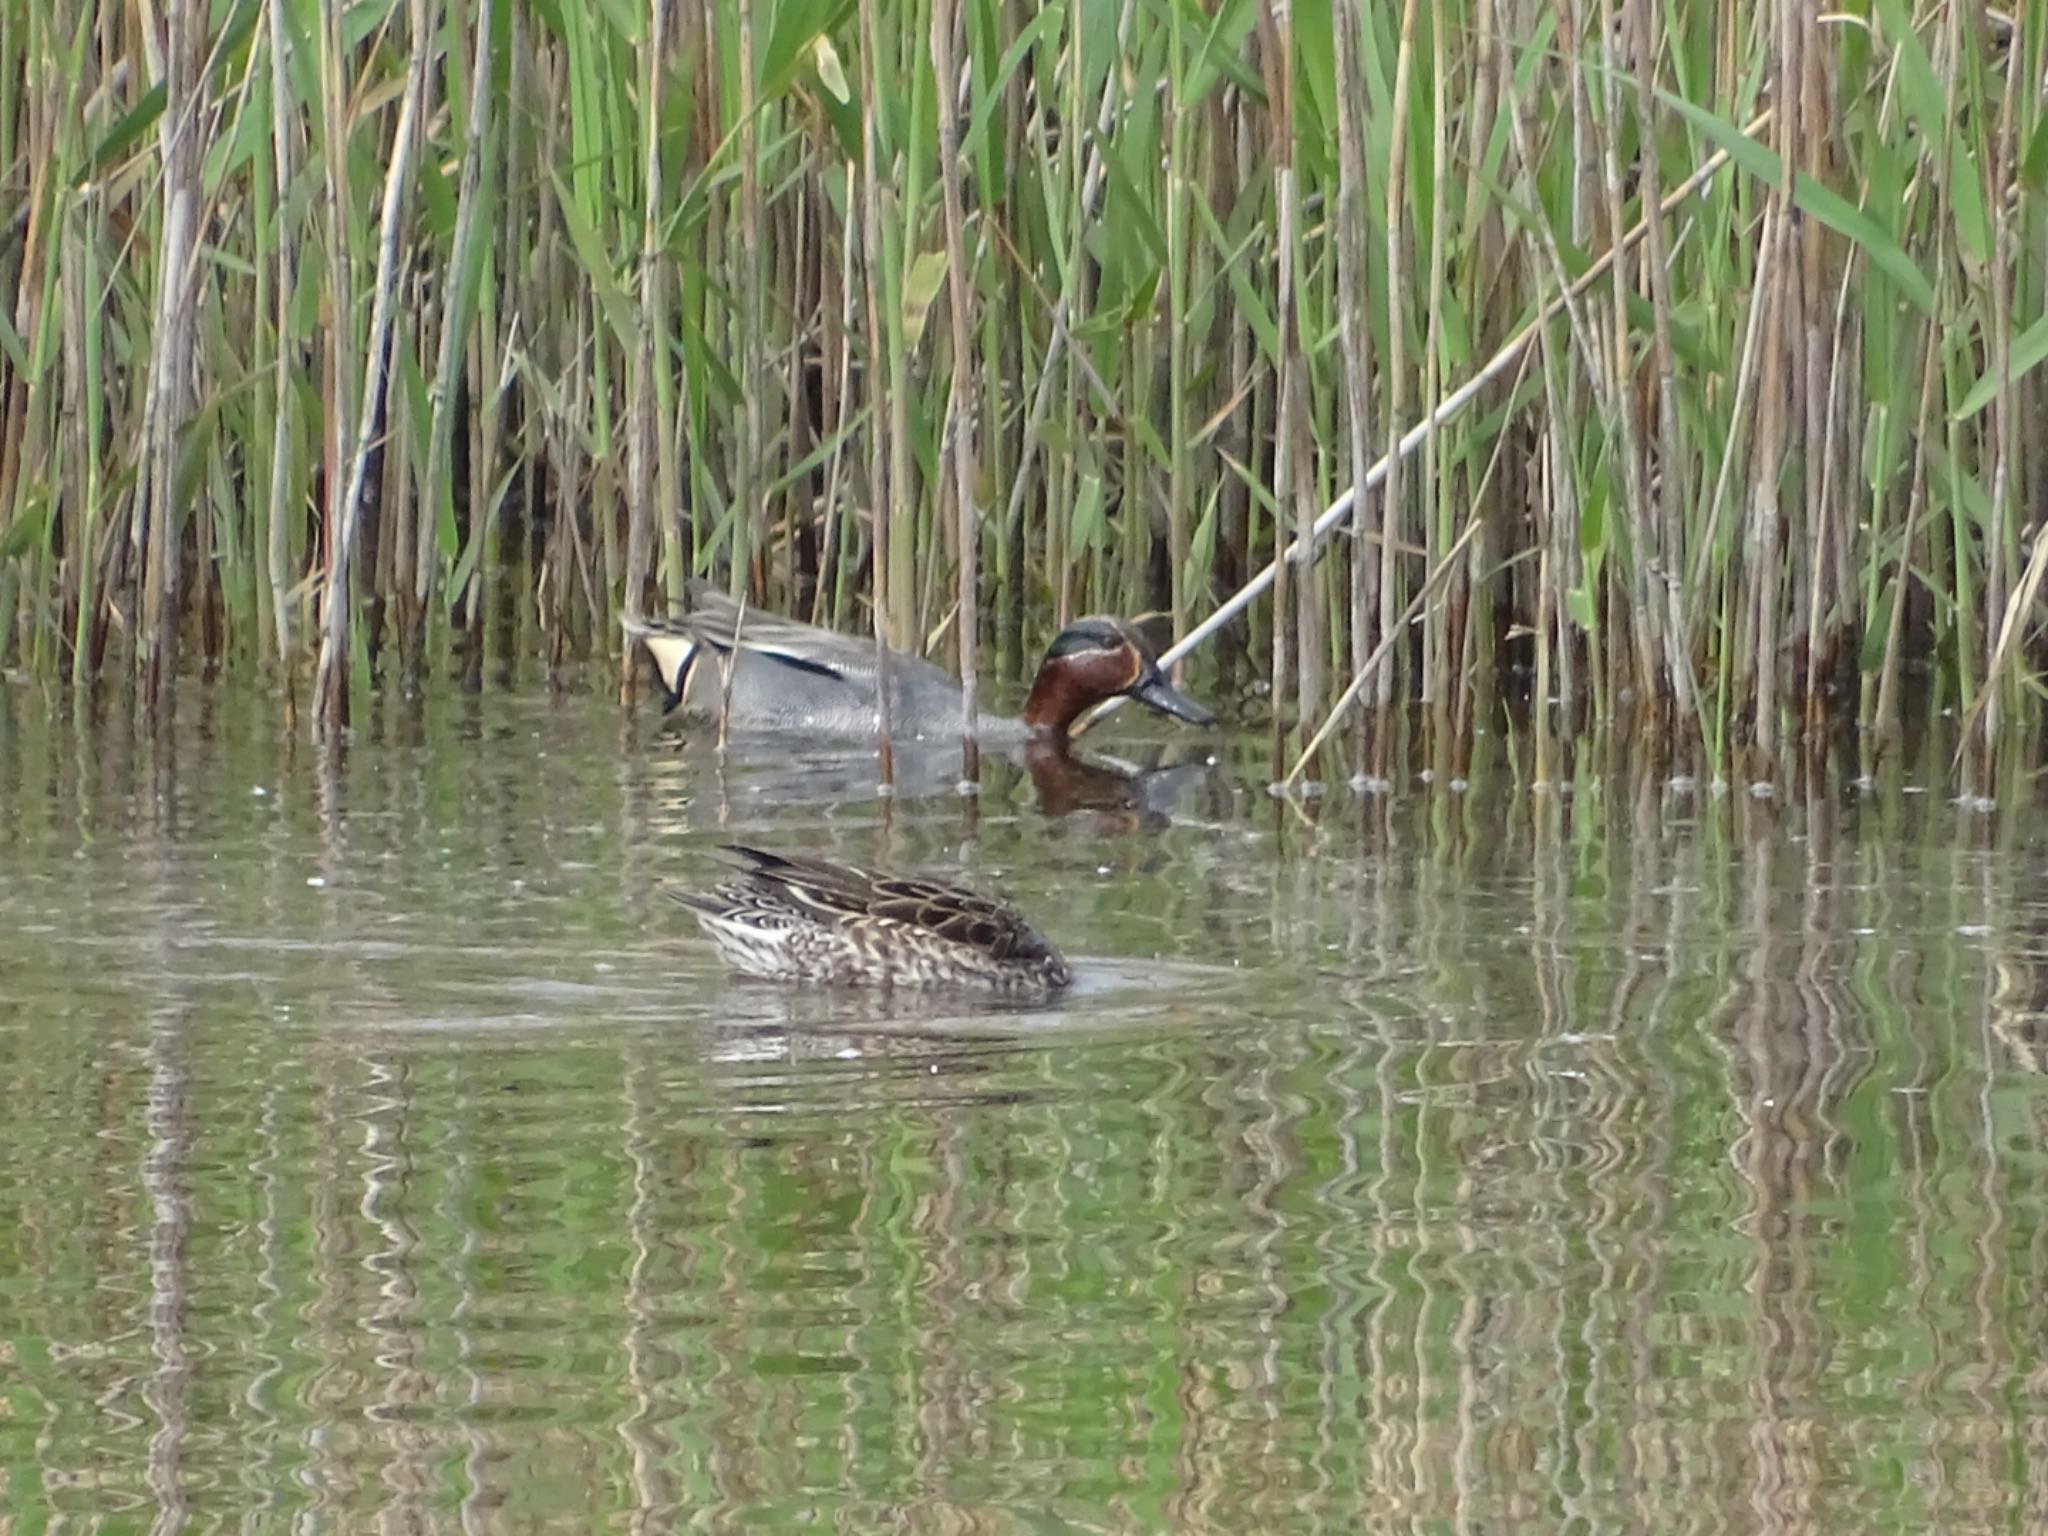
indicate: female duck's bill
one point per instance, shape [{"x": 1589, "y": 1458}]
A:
[
  {"x": 769, "y": 672},
  {"x": 788, "y": 918}
]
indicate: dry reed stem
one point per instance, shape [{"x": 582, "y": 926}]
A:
[
  {"x": 881, "y": 459},
  {"x": 331, "y": 681},
  {"x": 1352, "y": 297},
  {"x": 167, "y": 405},
  {"x": 1374, "y": 663},
  {"x": 958, "y": 430},
  {"x": 1395, "y": 368},
  {"x": 644, "y": 416}
]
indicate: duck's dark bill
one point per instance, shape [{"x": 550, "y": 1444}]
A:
[{"x": 1161, "y": 695}]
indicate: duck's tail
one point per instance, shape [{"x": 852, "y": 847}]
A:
[{"x": 675, "y": 651}]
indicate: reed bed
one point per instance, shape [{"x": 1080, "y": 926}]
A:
[{"x": 362, "y": 344}]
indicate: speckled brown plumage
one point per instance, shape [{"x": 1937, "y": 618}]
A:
[{"x": 790, "y": 918}]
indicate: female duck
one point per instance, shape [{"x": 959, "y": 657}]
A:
[
  {"x": 785, "y": 918},
  {"x": 790, "y": 676}
]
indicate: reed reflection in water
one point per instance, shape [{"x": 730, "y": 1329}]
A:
[{"x": 381, "y": 1151}]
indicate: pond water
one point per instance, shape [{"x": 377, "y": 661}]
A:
[{"x": 381, "y": 1150}]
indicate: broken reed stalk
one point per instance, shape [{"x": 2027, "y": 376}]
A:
[
  {"x": 728, "y": 664},
  {"x": 1297, "y": 552}
]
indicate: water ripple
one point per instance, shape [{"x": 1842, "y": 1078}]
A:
[{"x": 1531, "y": 1167}]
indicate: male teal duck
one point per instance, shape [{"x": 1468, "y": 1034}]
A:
[
  {"x": 797, "y": 677},
  {"x": 788, "y": 918}
]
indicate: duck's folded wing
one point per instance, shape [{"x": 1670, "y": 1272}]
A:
[{"x": 717, "y": 621}]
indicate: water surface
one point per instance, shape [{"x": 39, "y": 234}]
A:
[{"x": 382, "y": 1150}]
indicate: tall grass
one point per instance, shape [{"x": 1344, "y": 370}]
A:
[{"x": 359, "y": 342}]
